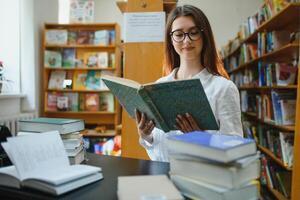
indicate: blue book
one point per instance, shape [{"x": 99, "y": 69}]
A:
[
  {"x": 215, "y": 147},
  {"x": 44, "y": 124}
]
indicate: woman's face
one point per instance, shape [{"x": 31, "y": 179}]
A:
[{"x": 187, "y": 49}]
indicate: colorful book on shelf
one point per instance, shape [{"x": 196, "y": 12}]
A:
[
  {"x": 103, "y": 59},
  {"x": 215, "y": 147},
  {"x": 90, "y": 59},
  {"x": 285, "y": 73},
  {"x": 79, "y": 80},
  {"x": 56, "y": 37},
  {"x": 72, "y": 37},
  {"x": 46, "y": 167},
  {"x": 93, "y": 80},
  {"x": 107, "y": 102},
  {"x": 56, "y": 80},
  {"x": 52, "y": 59},
  {"x": 85, "y": 37},
  {"x": 162, "y": 102},
  {"x": 62, "y": 103},
  {"x": 92, "y": 102},
  {"x": 69, "y": 56},
  {"x": 51, "y": 101},
  {"x": 43, "y": 124},
  {"x": 101, "y": 38},
  {"x": 73, "y": 101}
]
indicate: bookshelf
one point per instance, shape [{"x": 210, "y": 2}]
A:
[
  {"x": 94, "y": 52},
  {"x": 147, "y": 68},
  {"x": 287, "y": 18}
]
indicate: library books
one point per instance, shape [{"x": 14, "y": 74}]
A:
[
  {"x": 43, "y": 124},
  {"x": 204, "y": 191},
  {"x": 230, "y": 176},
  {"x": 40, "y": 162},
  {"x": 215, "y": 147},
  {"x": 56, "y": 37},
  {"x": 163, "y": 101},
  {"x": 77, "y": 159},
  {"x": 147, "y": 187}
]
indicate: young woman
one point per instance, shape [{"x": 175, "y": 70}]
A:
[{"x": 190, "y": 52}]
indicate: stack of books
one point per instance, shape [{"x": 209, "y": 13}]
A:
[
  {"x": 68, "y": 129},
  {"x": 214, "y": 166}
]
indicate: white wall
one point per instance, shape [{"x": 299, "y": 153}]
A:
[{"x": 225, "y": 16}]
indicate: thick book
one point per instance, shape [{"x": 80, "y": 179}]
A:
[
  {"x": 201, "y": 190},
  {"x": 44, "y": 124},
  {"x": 215, "y": 147},
  {"x": 147, "y": 187},
  {"x": 232, "y": 175},
  {"x": 163, "y": 101},
  {"x": 40, "y": 162}
]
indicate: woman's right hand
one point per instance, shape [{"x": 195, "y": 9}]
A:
[{"x": 144, "y": 126}]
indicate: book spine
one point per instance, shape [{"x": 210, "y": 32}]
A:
[{"x": 160, "y": 122}]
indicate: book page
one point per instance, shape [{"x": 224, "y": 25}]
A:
[{"x": 35, "y": 154}]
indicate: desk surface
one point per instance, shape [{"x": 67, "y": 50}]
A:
[{"x": 112, "y": 167}]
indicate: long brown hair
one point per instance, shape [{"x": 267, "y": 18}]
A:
[{"x": 209, "y": 57}]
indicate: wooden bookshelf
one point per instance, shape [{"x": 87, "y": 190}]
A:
[
  {"x": 277, "y": 87},
  {"x": 289, "y": 16},
  {"x": 287, "y": 52},
  {"x": 270, "y": 124},
  {"x": 274, "y": 158},
  {"x": 111, "y": 119},
  {"x": 286, "y": 19}
]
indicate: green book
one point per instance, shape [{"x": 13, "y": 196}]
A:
[
  {"x": 163, "y": 101},
  {"x": 44, "y": 124}
]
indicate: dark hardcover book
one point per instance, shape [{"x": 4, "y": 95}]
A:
[{"x": 163, "y": 101}]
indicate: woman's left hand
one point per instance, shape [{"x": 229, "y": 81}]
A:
[{"x": 186, "y": 123}]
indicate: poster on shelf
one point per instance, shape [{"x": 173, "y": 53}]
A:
[{"x": 82, "y": 11}]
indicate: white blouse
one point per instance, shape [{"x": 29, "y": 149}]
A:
[{"x": 224, "y": 100}]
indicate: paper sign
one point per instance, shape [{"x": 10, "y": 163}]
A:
[{"x": 144, "y": 27}]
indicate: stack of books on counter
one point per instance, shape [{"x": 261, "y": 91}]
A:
[
  {"x": 40, "y": 162},
  {"x": 68, "y": 129},
  {"x": 214, "y": 166}
]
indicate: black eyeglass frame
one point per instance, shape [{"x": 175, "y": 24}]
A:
[{"x": 186, "y": 34}]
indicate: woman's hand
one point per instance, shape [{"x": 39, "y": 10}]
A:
[
  {"x": 186, "y": 123},
  {"x": 145, "y": 126}
]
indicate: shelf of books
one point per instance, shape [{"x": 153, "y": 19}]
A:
[
  {"x": 263, "y": 61},
  {"x": 76, "y": 56}
]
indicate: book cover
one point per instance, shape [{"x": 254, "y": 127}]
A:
[
  {"x": 162, "y": 102},
  {"x": 69, "y": 56},
  {"x": 72, "y": 37},
  {"x": 79, "y": 80},
  {"x": 101, "y": 38},
  {"x": 92, "y": 102},
  {"x": 93, "y": 80},
  {"x": 107, "y": 102},
  {"x": 285, "y": 73},
  {"x": 51, "y": 101},
  {"x": 85, "y": 37},
  {"x": 91, "y": 59},
  {"x": 56, "y": 37},
  {"x": 56, "y": 80},
  {"x": 73, "y": 101},
  {"x": 216, "y": 147},
  {"x": 62, "y": 103},
  {"x": 102, "y": 59},
  {"x": 52, "y": 59}
]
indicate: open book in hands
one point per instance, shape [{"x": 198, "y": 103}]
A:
[
  {"x": 163, "y": 101},
  {"x": 40, "y": 162}
]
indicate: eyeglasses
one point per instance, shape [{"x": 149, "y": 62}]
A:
[{"x": 179, "y": 36}]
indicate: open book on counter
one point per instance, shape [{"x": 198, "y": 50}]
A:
[{"x": 40, "y": 162}]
